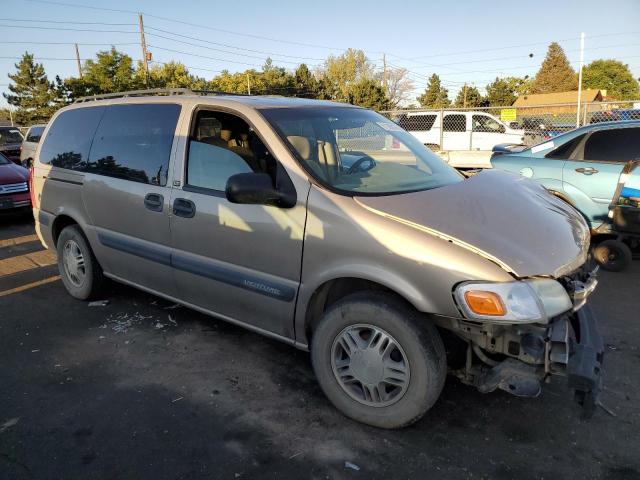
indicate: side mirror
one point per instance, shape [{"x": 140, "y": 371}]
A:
[{"x": 254, "y": 189}]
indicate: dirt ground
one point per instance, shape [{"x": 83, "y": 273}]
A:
[{"x": 138, "y": 389}]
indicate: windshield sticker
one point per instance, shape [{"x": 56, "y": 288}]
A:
[
  {"x": 542, "y": 146},
  {"x": 390, "y": 127}
]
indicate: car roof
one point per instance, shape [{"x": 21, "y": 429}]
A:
[{"x": 609, "y": 125}]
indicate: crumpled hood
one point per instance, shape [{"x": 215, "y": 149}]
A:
[
  {"x": 12, "y": 173},
  {"x": 506, "y": 218}
]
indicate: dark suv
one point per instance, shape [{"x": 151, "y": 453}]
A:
[{"x": 10, "y": 142}]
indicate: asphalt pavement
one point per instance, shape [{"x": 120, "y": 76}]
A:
[{"x": 143, "y": 389}]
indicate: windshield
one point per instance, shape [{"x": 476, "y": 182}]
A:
[
  {"x": 10, "y": 135},
  {"x": 4, "y": 160},
  {"x": 359, "y": 151}
]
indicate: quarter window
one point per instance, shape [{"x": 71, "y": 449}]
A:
[
  {"x": 455, "y": 123},
  {"x": 133, "y": 142},
  {"x": 69, "y": 138},
  {"x": 34, "y": 134}
]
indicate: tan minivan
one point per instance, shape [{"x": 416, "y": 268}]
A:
[{"x": 330, "y": 228}]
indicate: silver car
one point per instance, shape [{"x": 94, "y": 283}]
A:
[
  {"x": 30, "y": 144},
  {"x": 330, "y": 228}
]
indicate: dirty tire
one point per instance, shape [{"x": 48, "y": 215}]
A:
[
  {"x": 92, "y": 279},
  {"x": 419, "y": 341},
  {"x": 612, "y": 255}
]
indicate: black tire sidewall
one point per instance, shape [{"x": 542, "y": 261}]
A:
[
  {"x": 623, "y": 252},
  {"x": 85, "y": 291},
  {"x": 419, "y": 339}
]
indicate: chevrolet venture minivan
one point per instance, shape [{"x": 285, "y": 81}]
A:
[{"x": 330, "y": 228}]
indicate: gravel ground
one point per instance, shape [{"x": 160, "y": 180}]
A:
[{"x": 140, "y": 389}]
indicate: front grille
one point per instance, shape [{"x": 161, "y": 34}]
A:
[{"x": 13, "y": 188}]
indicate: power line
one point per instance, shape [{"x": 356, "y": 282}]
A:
[
  {"x": 218, "y": 49},
  {"x": 11, "y": 42},
  {"x": 203, "y": 56},
  {"x": 73, "y": 22},
  {"x": 226, "y": 45},
  {"x": 66, "y": 29}
]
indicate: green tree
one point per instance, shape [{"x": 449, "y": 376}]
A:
[
  {"x": 612, "y": 76},
  {"x": 435, "y": 95},
  {"x": 112, "y": 71},
  {"x": 307, "y": 85},
  {"x": 469, "y": 97},
  {"x": 340, "y": 72},
  {"x": 369, "y": 94},
  {"x": 555, "y": 74},
  {"x": 172, "y": 75},
  {"x": 34, "y": 97},
  {"x": 504, "y": 91}
]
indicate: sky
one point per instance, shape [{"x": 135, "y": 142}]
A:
[{"x": 462, "y": 41}]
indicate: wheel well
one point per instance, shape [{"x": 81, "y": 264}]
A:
[
  {"x": 332, "y": 291},
  {"x": 59, "y": 224},
  {"x": 562, "y": 197}
]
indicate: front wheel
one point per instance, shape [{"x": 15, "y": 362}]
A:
[
  {"x": 378, "y": 360},
  {"x": 612, "y": 255}
]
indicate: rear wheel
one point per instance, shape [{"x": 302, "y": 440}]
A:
[
  {"x": 80, "y": 272},
  {"x": 378, "y": 360},
  {"x": 612, "y": 255}
]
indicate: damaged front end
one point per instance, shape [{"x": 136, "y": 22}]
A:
[{"x": 518, "y": 356}]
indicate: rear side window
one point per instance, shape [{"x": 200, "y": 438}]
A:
[
  {"x": 417, "y": 123},
  {"x": 34, "y": 134},
  {"x": 619, "y": 145},
  {"x": 133, "y": 142},
  {"x": 455, "y": 123},
  {"x": 69, "y": 138}
]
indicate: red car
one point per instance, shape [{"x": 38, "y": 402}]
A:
[{"x": 14, "y": 186}]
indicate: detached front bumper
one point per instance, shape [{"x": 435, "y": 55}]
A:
[
  {"x": 570, "y": 346},
  {"x": 585, "y": 352}
]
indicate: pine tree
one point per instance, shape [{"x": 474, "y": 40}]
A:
[
  {"x": 469, "y": 97},
  {"x": 435, "y": 96},
  {"x": 34, "y": 97},
  {"x": 555, "y": 74}
]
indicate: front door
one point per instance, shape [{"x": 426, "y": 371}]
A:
[
  {"x": 486, "y": 132},
  {"x": 593, "y": 170},
  {"x": 127, "y": 195},
  {"x": 241, "y": 262}
]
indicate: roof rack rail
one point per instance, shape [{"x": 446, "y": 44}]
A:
[{"x": 151, "y": 92}]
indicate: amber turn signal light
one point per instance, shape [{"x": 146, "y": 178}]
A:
[{"x": 485, "y": 303}]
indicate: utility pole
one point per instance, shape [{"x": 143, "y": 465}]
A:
[
  {"x": 145, "y": 56},
  {"x": 385, "y": 83},
  {"x": 580, "y": 79},
  {"x": 464, "y": 101},
  {"x": 248, "y": 85},
  {"x": 78, "y": 61}
]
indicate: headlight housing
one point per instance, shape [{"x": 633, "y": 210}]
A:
[{"x": 527, "y": 301}]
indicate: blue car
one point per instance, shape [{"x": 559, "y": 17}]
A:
[{"x": 581, "y": 166}]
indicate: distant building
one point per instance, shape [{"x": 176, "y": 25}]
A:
[{"x": 559, "y": 102}]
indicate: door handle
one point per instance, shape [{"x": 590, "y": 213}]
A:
[
  {"x": 586, "y": 171},
  {"x": 184, "y": 208},
  {"x": 154, "y": 202}
]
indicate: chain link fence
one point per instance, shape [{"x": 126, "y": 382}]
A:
[{"x": 481, "y": 128}]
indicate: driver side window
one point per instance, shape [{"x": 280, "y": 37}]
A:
[
  {"x": 222, "y": 145},
  {"x": 483, "y": 123}
]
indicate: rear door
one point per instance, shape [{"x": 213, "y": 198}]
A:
[
  {"x": 422, "y": 126},
  {"x": 591, "y": 173},
  {"x": 456, "y": 133},
  {"x": 126, "y": 192}
]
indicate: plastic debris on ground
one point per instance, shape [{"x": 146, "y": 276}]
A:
[
  {"x": 99, "y": 303},
  {"x": 351, "y": 466}
]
